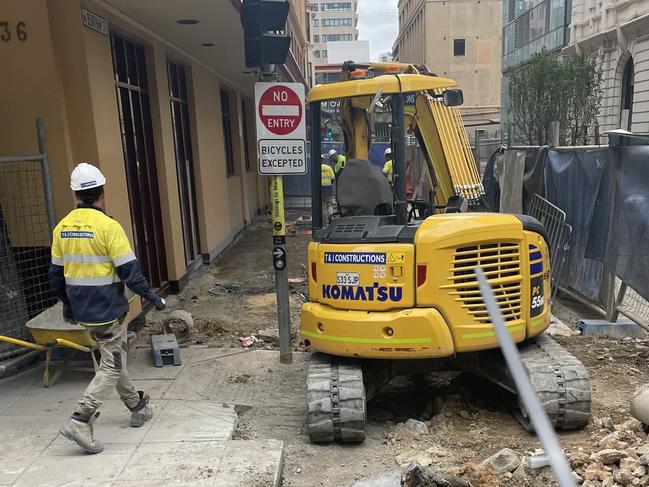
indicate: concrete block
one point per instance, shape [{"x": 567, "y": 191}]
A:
[{"x": 623, "y": 328}]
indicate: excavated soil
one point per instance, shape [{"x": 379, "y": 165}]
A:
[{"x": 468, "y": 419}]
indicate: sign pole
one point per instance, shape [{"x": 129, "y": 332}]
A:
[
  {"x": 281, "y": 271},
  {"x": 281, "y": 149}
]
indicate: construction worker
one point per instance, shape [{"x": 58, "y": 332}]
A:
[
  {"x": 328, "y": 177},
  {"x": 388, "y": 171},
  {"x": 92, "y": 260},
  {"x": 338, "y": 160}
]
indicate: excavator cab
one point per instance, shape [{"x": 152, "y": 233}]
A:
[
  {"x": 392, "y": 287},
  {"x": 412, "y": 112}
]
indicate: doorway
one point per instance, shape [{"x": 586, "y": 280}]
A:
[{"x": 129, "y": 66}]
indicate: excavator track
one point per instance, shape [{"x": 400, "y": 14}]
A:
[
  {"x": 559, "y": 379},
  {"x": 336, "y": 403}
]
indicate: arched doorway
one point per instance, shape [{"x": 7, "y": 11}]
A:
[{"x": 626, "y": 111}]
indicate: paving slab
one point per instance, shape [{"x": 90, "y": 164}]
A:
[
  {"x": 17, "y": 452},
  {"x": 68, "y": 465},
  {"x": 253, "y": 463},
  {"x": 192, "y": 421},
  {"x": 11, "y": 388},
  {"x": 259, "y": 379}
]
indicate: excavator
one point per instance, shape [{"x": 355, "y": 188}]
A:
[{"x": 392, "y": 289}]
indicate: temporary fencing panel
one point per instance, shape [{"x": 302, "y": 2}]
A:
[{"x": 26, "y": 221}]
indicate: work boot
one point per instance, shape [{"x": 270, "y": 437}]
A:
[
  {"x": 141, "y": 413},
  {"x": 79, "y": 429}
]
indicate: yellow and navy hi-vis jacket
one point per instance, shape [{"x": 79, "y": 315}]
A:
[{"x": 91, "y": 261}]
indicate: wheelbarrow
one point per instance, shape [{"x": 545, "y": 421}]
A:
[{"x": 49, "y": 331}]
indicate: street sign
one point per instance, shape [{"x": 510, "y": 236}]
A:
[
  {"x": 281, "y": 128},
  {"x": 279, "y": 258}
]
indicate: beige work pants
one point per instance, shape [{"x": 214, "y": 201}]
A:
[{"x": 112, "y": 344}]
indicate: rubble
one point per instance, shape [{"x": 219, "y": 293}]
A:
[
  {"x": 504, "y": 461},
  {"x": 622, "y": 461},
  {"x": 417, "y": 475},
  {"x": 422, "y": 458},
  {"x": 179, "y": 323},
  {"x": 417, "y": 426},
  {"x": 269, "y": 335}
]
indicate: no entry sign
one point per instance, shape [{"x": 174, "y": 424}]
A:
[{"x": 281, "y": 128}]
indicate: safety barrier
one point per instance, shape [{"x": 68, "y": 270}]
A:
[{"x": 27, "y": 219}]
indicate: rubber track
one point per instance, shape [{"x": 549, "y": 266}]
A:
[
  {"x": 336, "y": 406},
  {"x": 561, "y": 382}
]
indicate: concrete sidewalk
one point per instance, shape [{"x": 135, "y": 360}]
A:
[{"x": 188, "y": 442}]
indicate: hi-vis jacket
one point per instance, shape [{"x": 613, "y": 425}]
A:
[{"x": 91, "y": 261}]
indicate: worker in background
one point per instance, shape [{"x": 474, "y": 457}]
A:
[
  {"x": 338, "y": 160},
  {"x": 328, "y": 177},
  {"x": 92, "y": 260},
  {"x": 388, "y": 171}
]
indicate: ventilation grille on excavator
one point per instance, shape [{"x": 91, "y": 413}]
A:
[{"x": 502, "y": 264}]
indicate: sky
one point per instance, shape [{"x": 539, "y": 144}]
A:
[{"x": 378, "y": 22}]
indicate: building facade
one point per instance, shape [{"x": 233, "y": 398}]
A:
[
  {"x": 456, "y": 39},
  {"x": 332, "y": 22},
  {"x": 530, "y": 26},
  {"x": 148, "y": 92},
  {"x": 617, "y": 35}
]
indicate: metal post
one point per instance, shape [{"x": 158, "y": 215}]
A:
[
  {"x": 399, "y": 160},
  {"x": 281, "y": 272},
  {"x": 476, "y": 141},
  {"x": 316, "y": 169},
  {"x": 596, "y": 134},
  {"x": 554, "y": 134},
  {"x": 45, "y": 171}
]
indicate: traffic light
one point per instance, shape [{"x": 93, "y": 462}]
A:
[{"x": 263, "y": 21}]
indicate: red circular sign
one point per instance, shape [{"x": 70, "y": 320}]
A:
[{"x": 280, "y": 110}]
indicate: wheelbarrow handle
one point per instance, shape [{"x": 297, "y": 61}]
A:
[
  {"x": 22, "y": 343},
  {"x": 61, "y": 342}
]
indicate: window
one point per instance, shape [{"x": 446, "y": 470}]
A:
[
  {"x": 316, "y": 38},
  {"x": 315, "y": 22},
  {"x": 336, "y": 37},
  {"x": 336, "y": 7},
  {"x": 244, "y": 126},
  {"x": 458, "y": 47},
  {"x": 316, "y": 54},
  {"x": 227, "y": 133},
  {"x": 324, "y": 53},
  {"x": 626, "y": 113},
  {"x": 336, "y": 22}
]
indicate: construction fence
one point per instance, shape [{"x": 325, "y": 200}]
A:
[
  {"x": 26, "y": 221},
  {"x": 604, "y": 193}
]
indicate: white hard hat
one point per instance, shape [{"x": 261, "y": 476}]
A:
[
  {"x": 86, "y": 176},
  {"x": 332, "y": 152},
  {"x": 387, "y": 151}
]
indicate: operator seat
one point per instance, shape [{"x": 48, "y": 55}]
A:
[{"x": 362, "y": 189}]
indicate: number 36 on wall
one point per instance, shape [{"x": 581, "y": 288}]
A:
[{"x": 9, "y": 32}]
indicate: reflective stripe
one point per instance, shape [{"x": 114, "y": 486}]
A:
[
  {"x": 86, "y": 259},
  {"x": 400, "y": 341},
  {"x": 91, "y": 281},
  {"x": 57, "y": 261},
  {"x": 123, "y": 259}
]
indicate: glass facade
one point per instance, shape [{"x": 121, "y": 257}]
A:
[
  {"x": 529, "y": 27},
  {"x": 532, "y": 25}
]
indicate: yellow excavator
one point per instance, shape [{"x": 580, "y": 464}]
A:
[{"x": 392, "y": 288}]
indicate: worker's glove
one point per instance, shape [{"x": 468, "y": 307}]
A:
[
  {"x": 67, "y": 314},
  {"x": 160, "y": 304}
]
